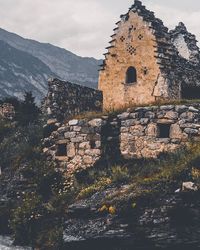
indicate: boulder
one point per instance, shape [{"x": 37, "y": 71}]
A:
[
  {"x": 189, "y": 186},
  {"x": 73, "y": 122},
  {"x": 175, "y": 132}
]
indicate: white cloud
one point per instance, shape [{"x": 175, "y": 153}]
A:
[{"x": 84, "y": 26}]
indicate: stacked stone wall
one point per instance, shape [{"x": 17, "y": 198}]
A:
[
  {"x": 65, "y": 99},
  {"x": 7, "y": 111},
  {"x": 145, "y": 132}
]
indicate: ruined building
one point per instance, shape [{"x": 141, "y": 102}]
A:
[{"x": 145, "y": 62}]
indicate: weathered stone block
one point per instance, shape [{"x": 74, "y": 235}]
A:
[
  {"x": 96, "y": 122},
  {"x": 51, "y": 121},
  {"x": 62, "y": 129},
  {"x": 191, "y": 131},
  {"x": 70, "y": 135},
  {"x": 81, "y": 152},
  {"x": 77, "y": 139},
  {"x": 134, "y": 115},
  {"x": 152, "y": 130},
  {"x": 97, "y": 144},
  {"x": 73, "y": 122},
  {"x": 181, "y": 108},
  {"x": 84, "y": 145},
  {"x": 77, "y": 128},
  {"x": 86, "y": 129},
  {"x": 161, "y": 114},
  {"x": 193, "y": 109},
  {"x": 166, "y": 107},
  {"x": 171, "y": 115},
  {"x": 124, "y": 129},
  {"x": 87, "y": 159},
  {"x": 150, "y": 115},
  {"x": 128, "y": 123},
  {"x": 92, "y": 152},
  {"x": 153, "y": 146},
  {"x": 165, "y": 121},
  {"x": 175, "y": 132},
  {"x": 163, "y": 140},
  {"x": 62, "y": 141},
  {"x": 71, "y": 150},
  {"x": 144, "y": 121},
  {"x": 190, "y": 125},
  {"x": 187, "y": 116},
  {"x": 124, "y": 116},
  {"x": 137, "y": 130}
]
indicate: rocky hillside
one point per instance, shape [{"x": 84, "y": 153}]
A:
[
  {"x": 136, "y": 204},
  {"x": 37, "y": 62}
]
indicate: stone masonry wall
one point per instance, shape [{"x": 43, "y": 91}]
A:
[
  {"x": 140, "y": 40},
  {"x": 144, "y": 132},
  {"x": 7, "y": 111},
  {"x": 167, "y": 63},
  {"x": 65, "y": 99}
]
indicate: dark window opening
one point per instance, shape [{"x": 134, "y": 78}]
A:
[
  {"x": 190, "y": 92},
  {"x": 92, "y": 144},
  {"x": 61, "y": 150},
  {"x": 131, "y": 75},
  {"x": 163, "y": 130}
]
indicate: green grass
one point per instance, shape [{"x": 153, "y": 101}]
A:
[
  {"x": 142, "y": 176},
  {"x": 131, "y": 107}
]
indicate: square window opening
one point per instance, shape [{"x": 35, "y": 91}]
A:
[
  {"x": 61, "y": 150},
  {"x": 164, "y": 130}
]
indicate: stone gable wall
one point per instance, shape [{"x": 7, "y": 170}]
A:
[
  {"x": 130, "y": 135},
  {"x": 142, "y": 41},
  {"x": 167, "y": 62},
  {"x": 65, "y": 99}
]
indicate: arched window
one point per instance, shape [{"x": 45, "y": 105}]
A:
[{"x": 131, "y": 75}]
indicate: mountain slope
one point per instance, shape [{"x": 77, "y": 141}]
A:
[
  {"x": 61, "y": 62},
  {"x": 20, "y": 72}
]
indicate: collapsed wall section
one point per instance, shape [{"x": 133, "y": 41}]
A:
[
  {"x": 187, "y": 62},
  {"x": 65, "y": 99}
]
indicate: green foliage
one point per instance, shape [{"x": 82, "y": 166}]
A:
[
  {"x": 12, "y": 100},
  {"x": 28, "y": 112},
  {"x": 25, "y": 217},
  {"x": 19, "y": 145},
  {"x": 120, "y": 174},
  {"x": 5, "y": 128},
  {"x": 144, "y": 177},
  {"x": 91, "y": 189},
  {"x": 38, "y": 206}
]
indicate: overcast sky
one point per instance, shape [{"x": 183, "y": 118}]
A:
[{"x": 84, "y": 26}]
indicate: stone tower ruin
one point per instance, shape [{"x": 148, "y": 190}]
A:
[{"x": 146, "y": 62}]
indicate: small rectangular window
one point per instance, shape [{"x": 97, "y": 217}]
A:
[
  {"x": 92, "y": 144},
  {"x": 61, "y": 150},
  {"x": 164, "y": 130}
]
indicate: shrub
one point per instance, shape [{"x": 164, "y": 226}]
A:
[
  {"x": 97, "y": 186},
  {"x": 120, "y": 174}
]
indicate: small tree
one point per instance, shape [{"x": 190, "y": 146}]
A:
[
  {"x": 28, "y": 112},
  {"x": 12, "y": 100}
]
